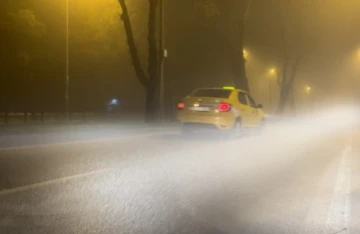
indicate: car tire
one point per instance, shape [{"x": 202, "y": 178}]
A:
[
  {"x": 263, "y": 123},
  {"x": 237, "y": 130},
  {"x": 262, "y": 126}
]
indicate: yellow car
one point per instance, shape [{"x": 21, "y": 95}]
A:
[{"x": 226, "y": 108}]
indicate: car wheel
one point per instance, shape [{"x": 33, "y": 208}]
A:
[
  {"x": 237, "y": 130},
  {"x": 261, "y": 126}
]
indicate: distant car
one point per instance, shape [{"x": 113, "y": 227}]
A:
[{"x": 226, "y": 109}]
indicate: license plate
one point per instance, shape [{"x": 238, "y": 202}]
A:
[{"x": 200, "y": 108}]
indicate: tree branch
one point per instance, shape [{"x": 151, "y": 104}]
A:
[
  {"x": 132, "y": 47},
  {"x": 294, "y": 70},
  {"x": 282, "y": 82},
  {"x": 153, "y": 58}
]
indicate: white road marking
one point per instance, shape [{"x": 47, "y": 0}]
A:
[
  {"x": 339, "y": 211},
  {"x": 82, "y": 141},
  {"x": 51, "y": 182}
]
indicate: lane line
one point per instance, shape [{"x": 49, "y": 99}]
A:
[
  {"x": 51, "y": 182},
  {"x": 339, "y": 211},
  {"x": 82, "y": 141}
]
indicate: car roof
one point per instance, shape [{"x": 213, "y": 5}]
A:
[{"x": 239, "y": 90}]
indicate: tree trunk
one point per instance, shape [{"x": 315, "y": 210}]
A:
[
  {"x": 239, "y": 73},
  {"x": 292, "y": 103},
  {"x": 149, "y": 109},
  {"x": 153, "y": 63},
  {"x": 284, "y": 95},
  {"x": 151, "y": 81},
  {"x": 238, "y": 13},
  {"x": 287, "y": 83},
  {"x": 140, "y": 74}
]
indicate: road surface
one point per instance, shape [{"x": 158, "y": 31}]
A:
[{"x": 301, "y": 178}]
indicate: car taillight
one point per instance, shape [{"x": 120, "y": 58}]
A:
[
  {"x": 224, "y": 107},
  {"x": 180, "y": 105}
]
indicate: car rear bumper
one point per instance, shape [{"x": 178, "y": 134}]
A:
[{"x": 225, "y": 122}]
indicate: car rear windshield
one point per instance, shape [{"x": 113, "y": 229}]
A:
[{"x": 217, "y": 93}]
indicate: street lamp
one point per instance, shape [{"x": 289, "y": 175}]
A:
[
  {"x": 245, "y": 53},
  {"x": 309, "y": 96},
  {"x": 272, "y": 71}
]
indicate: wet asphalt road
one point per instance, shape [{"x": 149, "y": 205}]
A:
[{"x": 163, "y": 182}]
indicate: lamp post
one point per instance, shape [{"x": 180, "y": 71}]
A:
[
  {"x": 162, "y": 56},
  {"x": 67, "y": 78}
]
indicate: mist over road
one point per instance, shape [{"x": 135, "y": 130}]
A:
[{"x": 298, "y": 177}]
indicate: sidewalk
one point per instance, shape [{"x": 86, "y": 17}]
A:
[{"x": 355, "y": 185}]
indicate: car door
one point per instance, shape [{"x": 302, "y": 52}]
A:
[
  {"x": 254, "y": 115},
  {"x": 244, "y": 109}
]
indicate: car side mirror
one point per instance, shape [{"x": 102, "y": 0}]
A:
[{"x": 259, "y": 106}]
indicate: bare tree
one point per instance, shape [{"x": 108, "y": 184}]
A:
[
  {"x": 294, "y": 48},
  {"x": 286, "y": 83},
  {"x": 149, "y": 81},
  {"x": 26, "y": 31},
  {"x": 234, "y": 21},
  {"x": 238, "y": 15},
  {"x": 232, "y": 16}
]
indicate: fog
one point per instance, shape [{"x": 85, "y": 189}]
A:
[
  {"x": 322, "y": 35},
  {"x": 193, "y": 184},
  {"x": 90, "y": 139}
]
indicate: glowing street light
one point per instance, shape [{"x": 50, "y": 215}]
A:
[
  {"x": 272, "y": 71},
  {"x": 307, "y": 89},
  {"x": 245, "y": 53}
]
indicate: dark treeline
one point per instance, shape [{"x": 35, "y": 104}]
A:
[
  {"x": 28, "y": 58},
  {"x": 204, "y": 39},
  {"x": 33, "y": 55},
  {"x": 33, "y": 39}
]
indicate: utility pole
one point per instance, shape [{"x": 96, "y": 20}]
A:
[
  {"x": 162, "y": 56},
  {"x": 67, "y": 78}
]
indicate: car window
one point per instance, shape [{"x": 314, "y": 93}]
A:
[
  {"x": 251, "y": 101},
  {"x": 242, "y": 98},
  {"x": 217, "y": 93}
]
